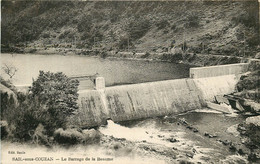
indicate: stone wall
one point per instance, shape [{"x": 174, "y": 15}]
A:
[{"x": 219, "y": 70}]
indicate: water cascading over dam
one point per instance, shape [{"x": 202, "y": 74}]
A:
[{"x": 136, "y": 101}]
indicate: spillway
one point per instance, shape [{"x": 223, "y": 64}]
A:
[
  {"x": 144, "y": 100},
  {"x": 137, "y": 101}
]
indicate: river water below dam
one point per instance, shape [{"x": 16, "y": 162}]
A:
[{"x": 201, "y": 136}]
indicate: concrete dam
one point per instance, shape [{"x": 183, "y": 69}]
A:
[{"x": 144, "y": 100}]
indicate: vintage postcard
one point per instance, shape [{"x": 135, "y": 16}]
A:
[{"x": 133, "y": 82}]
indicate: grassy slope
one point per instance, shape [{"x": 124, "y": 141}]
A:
[{"x": 149, "y": 26}]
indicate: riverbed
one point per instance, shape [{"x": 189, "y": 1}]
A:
[{"x": 154, "y": 140}]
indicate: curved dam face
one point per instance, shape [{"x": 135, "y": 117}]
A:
[
  {"x": 152, "y": 99},
  {"x": 136, "y": 101},
  {"x": 214, "y": 86}
]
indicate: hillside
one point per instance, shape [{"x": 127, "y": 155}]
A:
[{"x": 220, "y": 28}]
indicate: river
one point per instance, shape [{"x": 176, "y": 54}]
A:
[
  {"x": 164, "y": 140},
  {"x": 202, "y": 136}
]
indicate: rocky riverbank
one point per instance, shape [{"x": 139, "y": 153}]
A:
[
  {"x": 173, "y": 56},
  {"x": 186, "y": 138}
]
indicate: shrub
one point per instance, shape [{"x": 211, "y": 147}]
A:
[
  {"x": 9, "y": 99},
  {"x": 103, "y": 54},
  {"x": 58, "y": 95},
  {"x": 70, "y": 136},
  {"x": 65, "y": 34},
  {"x": 4, "y": 129},
  {"x": 49, "y": 103},
  {"x": 254, "y": 65},
  {"x": 8, "y": 106},
  {"x": 123, "y": 43},
  {"x": 233, "y": 60},
  {"x": 253, "y": 40},
  {"x": 26, "y": 118},
  {"x": 138, "y": 28},
  {"x": 33, "y": 50},
  {"x": 172, "y": 57},
  {"x": 162, "y": 24},
  {"x": 245, "y": 19},
  {"x": 85, "y": 24},
  {"x": 251, "y": 81},
  {"x": 76, "y": 136},
  {"x": 189, "y": 57},
  {"x": 146, "y": 55},
  {"x": 193, "y": 20},
  {"x": 252, "y": 132},
  {"x": 46, "y": 35},
  {"x": 173, "y": 27}
]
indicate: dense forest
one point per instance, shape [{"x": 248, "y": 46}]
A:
[{"x": 221, "y": 28}]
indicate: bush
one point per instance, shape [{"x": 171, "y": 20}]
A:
[
  {"x": 103, "y": 54},
  {"x": 58, "y": 94},
  {"x": 8, "y": 106},
  {"x": 146, "y": 55},
  {"x": 249, "y": 82},
  {"x": 173, "y": 27},
  {"x": 4, "y": 129},
  {"x": 162, "y": 24},
  {"x": 245, "y": 19},
  {"x": 76, "y": 136},
  {"x": 9, "y": 99},
  {"x": 123, "y": 43},
  {"x": 252, "y": 132},
  {"x": 65, "y": 34},
  {"x": 70, "y": 136},
  {"x": 49, "y": 103},
  {"x": 254, "y": 65},
  {"x": 138, "y": 28},
  {"x": 193, "y": 20},
  {"x": 26, "y": 117},
  {"x": 172, "y": 57},
  {"x": 85, "y": 24},
  {"x": 189, "y": 57},
  {"x": 46, "y": 35}
]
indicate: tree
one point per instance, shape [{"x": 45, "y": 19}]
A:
[
  {"x": 9, "y": 70},
  {"x": 51, "y": 100},
  {"x": 57, "y": 97}
]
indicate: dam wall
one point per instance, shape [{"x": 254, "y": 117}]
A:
[
  {"x": 129, "y": 102},
  {"x": 153, "y": 99},
  {"x": 144, "y": 100},
  {"x": 214, "y": 86},
  {"x": 219, "y": 70}
]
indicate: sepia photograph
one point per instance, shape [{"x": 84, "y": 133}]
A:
[{"x": 130, "y": 82}]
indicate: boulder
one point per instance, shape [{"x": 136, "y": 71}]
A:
[
  {"x": 176, "y": 50},
  {"x": 233, "y": 130},
  {"x": 255, "y": 120},
  {"x": 257, "y": 56}
]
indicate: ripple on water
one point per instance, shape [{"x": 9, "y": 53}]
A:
[{"x": 167, "y": 133}]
